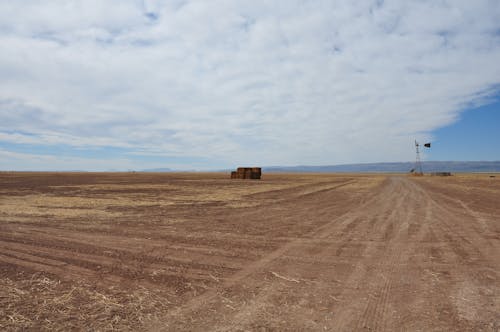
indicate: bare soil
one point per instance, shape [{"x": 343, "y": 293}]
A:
[{"x": 137, "y": 251}]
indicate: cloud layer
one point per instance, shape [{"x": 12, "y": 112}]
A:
[{"x": 243, "y": 82}]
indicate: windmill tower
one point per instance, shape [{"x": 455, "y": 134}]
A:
[
  {"x": 417, "y": 171},
  {"x": 418, "y": 163}
]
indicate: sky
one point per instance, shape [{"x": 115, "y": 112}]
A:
[
  {"x": 475, "y": 135},
  {"x": 199, "y": 85}
]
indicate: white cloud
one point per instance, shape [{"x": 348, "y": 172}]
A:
[
  {"x": 258, "y": 82},
  {"x": 31, "y": 161}
]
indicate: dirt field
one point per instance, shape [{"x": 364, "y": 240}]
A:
[{"x": 290, "y": 252}]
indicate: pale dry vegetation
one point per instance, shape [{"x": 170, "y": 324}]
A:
[{"x": 35, "y": 301}]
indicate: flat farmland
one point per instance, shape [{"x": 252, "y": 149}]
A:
[{"x": 173, "y": 251}]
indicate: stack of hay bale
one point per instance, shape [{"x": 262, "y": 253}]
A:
[{"x": 247, "y": 173}]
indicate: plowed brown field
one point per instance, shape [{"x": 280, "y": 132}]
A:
[{"x": 135, "y": 251}]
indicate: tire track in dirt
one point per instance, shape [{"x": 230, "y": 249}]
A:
[
  {"x": 465, "y": 246},
  {"x": 93, "y": 262},
  {"x": 344, "y": 232},
  {"x": 478, "y": 230},
  {"x": 100, "y": 265},
  {"x": 471, "y": 254},
  {"x": 347, "y": 221},
  {"x": 108, "y": 253},
  {"x": 123, "y": 238},
  {"x": 398, "y": 206},
  {"x": 376, "y": 213},
  {"x": 474, "y": 252}
]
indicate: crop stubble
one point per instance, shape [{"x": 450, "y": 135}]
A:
[{"x": 293, "y": 251}]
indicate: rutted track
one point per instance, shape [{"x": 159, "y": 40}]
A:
[{"x": 291, "y": 252}]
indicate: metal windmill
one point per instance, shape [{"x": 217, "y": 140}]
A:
[{"x": 418, "y": 164}]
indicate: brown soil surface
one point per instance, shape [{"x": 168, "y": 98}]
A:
[{"x": 201, "y": 252}]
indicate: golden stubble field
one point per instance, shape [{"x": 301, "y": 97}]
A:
[{"x": 152, "y": 251}]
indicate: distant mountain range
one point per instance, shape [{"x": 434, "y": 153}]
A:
[
  {"x": 158, "y": 170},
  {"x": 396, "y": 167}
]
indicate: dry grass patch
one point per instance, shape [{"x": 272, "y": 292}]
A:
[
  {"x": 41, "y": 302},
  {"x": 49, "y": 205}
]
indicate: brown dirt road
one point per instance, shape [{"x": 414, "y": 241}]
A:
[{"x": 290, "y": 252}]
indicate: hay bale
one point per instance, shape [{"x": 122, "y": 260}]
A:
[
  {"x": 253, "y": 173},
  {"x": 256, "y": 173},
  {"x": 248, "y": 173}
]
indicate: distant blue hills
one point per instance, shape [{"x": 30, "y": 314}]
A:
[
  {"x": 158, "y": 170},
  {"x": 395, "y": 167},
  {"x": 392, "y": 167}
]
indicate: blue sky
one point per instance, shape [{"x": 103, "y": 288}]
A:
[
  {"x": 475, "y": 136},
  {"x": 194, "y": 84}
]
